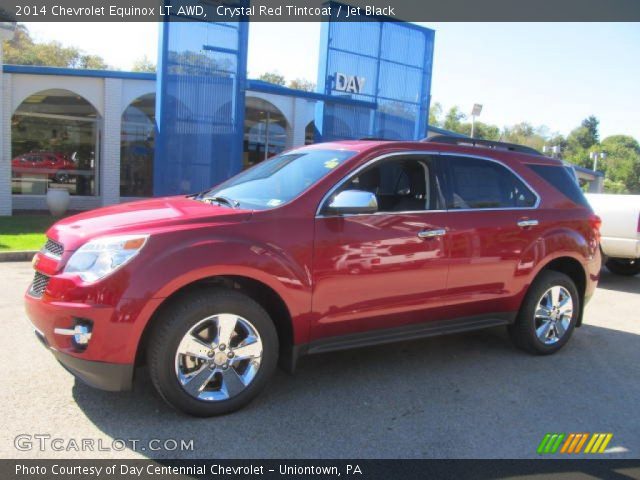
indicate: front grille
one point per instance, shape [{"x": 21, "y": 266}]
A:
[
  {"x": 39, "y": 284},
  {"x": 53, "y": 248}
]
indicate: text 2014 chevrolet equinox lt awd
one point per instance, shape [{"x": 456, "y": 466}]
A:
[{"x": 326, "y": 247}]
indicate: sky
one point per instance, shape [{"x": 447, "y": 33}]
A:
[{"x": 551, "y": 74}]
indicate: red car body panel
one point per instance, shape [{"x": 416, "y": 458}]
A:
[
  {"x": 336, "y": 275},
  {"x": 372, "y": 271}
]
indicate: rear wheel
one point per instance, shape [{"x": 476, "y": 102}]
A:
[
  {"x": 212, "y": 352},
  {"x": 624, "y": 266},
  {"x": 548, "y": 314}
]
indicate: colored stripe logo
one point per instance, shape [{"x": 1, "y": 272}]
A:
[{"x": 574, "y": 443}]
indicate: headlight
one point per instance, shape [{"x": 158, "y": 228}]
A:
[{"x": 99, "y": 257}]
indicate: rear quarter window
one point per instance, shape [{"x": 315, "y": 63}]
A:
[
  {"x": 481, "y": 184},
  {"x": 561, "y": 180}
]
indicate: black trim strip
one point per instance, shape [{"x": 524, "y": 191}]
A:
[{"x": 408, "y": 332}]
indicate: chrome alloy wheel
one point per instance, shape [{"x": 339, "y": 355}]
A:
[
  {"x": 553, "y": 315},
  {"x": 219, "y": 357}
]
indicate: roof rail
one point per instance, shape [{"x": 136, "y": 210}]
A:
[
  {"x": 378, "y": 139},
  {"x": 476, "y": 142}
]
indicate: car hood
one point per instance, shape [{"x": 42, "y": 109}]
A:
[{"x": 146, "y": 216}]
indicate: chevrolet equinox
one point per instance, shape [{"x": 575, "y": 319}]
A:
[{"x": 326, "y": 247}]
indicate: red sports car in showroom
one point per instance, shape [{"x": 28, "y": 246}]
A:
[{"x": 55, "y": 165}]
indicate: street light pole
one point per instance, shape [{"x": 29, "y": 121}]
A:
[
  {"x": 553, "y": 150},
  {"x": 475, "y": 112},
  {"x": 594, "y": 156}
]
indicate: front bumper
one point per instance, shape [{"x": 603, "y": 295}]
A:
[{"x": 114, "y": 377}]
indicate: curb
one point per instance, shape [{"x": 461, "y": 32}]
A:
[{"x": 18, "y": 256}]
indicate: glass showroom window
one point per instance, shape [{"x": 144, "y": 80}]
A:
[
  {"x": 54, "y": 143},
  {"x": 265, "y": 131},
  {"x": 136, "y": 147}
]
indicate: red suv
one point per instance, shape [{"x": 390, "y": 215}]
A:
[{"x": 326, "y": 247}]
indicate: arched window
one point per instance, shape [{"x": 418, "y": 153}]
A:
[
  {"x": 310, "y": 133},
  {"x": 265, "y": 131},
  {"x": 54, "y": 143},
  {"x": 136, "y": 147}
]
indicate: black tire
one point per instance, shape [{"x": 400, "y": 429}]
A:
[
  {"x": 181, "y": 316},
  {"x": 61, "y": 177},
  {"x": 624, "y": 266},
  {"x": 523, "y": 330}
]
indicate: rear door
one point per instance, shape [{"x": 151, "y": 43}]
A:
[{"x": 492, "y": 225}]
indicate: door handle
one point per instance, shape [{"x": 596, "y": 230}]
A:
[
  {"x": 438, "y": 232},
  {"x": 524, "y": 223}
]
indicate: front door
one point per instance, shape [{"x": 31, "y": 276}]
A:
[{"x": 386, "y": 269}]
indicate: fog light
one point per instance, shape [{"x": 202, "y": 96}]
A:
[{"x": 81, "y": 333}]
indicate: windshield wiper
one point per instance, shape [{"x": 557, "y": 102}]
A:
[{"x": 221, "y": 200}]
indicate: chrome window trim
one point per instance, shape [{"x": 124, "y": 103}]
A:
[{"x": 426, "y": 153}]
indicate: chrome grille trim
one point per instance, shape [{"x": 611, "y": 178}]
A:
[{"x": 39, "y": 284}]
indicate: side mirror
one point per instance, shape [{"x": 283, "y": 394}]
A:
[{"x": 353, "y": 201}]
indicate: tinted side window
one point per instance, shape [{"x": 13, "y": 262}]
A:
[
  {"x": 476, "y": 184},
  {"x": 400, "y": 185},
  {"x": 562, "y": 181}
]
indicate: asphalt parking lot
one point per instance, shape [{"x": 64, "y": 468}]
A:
[{"x": 462, "y": 396}]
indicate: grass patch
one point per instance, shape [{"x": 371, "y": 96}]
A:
[{"x": 24, "y": 232}]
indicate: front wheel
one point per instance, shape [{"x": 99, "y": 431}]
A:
[
  {"x": 548, "y": 314},
  {"x": 624, "y": 266},
  {"x": 211, "y": 352},
  {"x": 61, "y": 178}
]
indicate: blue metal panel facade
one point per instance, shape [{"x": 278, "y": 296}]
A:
[
  {"x": 200, "y": 104},
  {"x": 386, "y": 63}
]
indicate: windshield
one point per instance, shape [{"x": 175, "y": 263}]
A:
[{"x": 277, "y": 180}]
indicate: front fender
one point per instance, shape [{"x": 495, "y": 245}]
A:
[{"x": 174, "y": 263}]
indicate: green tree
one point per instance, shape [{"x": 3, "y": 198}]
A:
[
  {"x": 144, "y": 64},
  {"x": 614, "y": 187},
  {"x": 302, "y": 84},
  {"x": 435, "y": 112},
  {"x": 622, "y": 162},
  {"x": 581, "y": 141},
  {"x": 484, "y": 131},
  {"x": 524, "y": 133},
  {"x": 591, "y": 123},
  {"x": 23, "y": 50},
  {"x": 273, "y": 77},
  {"x": 453, "y": 120}
]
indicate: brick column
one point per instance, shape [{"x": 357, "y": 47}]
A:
[
  {"x": 299, "y": 122},
  {"x": 5, "y": 142},
  {"x": 110, "y": 159}
]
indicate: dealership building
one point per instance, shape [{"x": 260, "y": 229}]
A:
[{"x": 110, "y": 136}]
